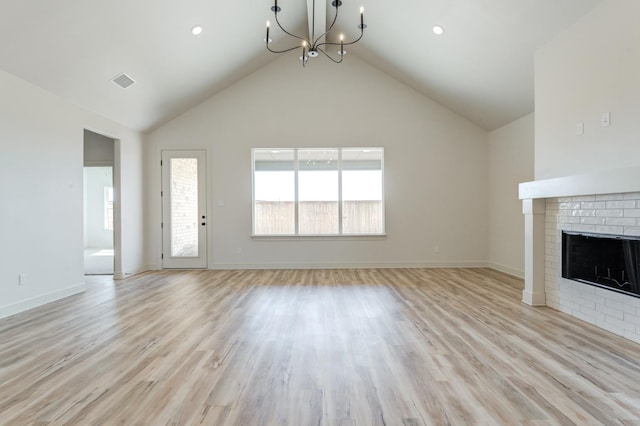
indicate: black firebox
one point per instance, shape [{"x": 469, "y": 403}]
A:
[{"x": 608, "y": 261}]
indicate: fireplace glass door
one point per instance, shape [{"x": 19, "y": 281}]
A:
[{"x": 608, "y": 261}]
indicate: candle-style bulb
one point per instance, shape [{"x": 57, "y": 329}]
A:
[
  {"x": 267, "y": 37},
  {"x": 361, "y": 10},
  {"x": 304, "y": 53}
]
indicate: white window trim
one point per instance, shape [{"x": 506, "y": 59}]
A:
[{"x": 108, "y": 220}]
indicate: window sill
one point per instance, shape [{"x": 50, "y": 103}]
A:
[{"x": 367, "y": 237}]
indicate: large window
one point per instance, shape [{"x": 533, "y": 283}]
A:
[{"x": 318, "y": 191}]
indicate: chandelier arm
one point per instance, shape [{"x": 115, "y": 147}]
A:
[
  {"x": 343, "y": 44},
  {"x": 287, "y": 32},
  {"x": 329, "y": 56},
  {"x": 335, "y": 18},
  {"x": 354, "y": 41},
  {"x": 282, "y": 51}
]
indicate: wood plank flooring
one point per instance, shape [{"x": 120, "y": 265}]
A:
[{"x": 312, "y": 347}]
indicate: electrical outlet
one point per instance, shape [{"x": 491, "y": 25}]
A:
[
  {"x": 605, "y": 120},
  {"x": 22, "y": 279},
  {"x": 580, "y": 129}
]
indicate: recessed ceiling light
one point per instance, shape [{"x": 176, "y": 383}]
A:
[
  {"x": 196, "y": 30},
  {"x": 437, "y": 29}
]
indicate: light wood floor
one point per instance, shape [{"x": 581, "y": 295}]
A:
[{"x": 340, "y": 347}]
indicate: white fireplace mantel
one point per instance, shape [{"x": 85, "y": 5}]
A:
[
  {"x": 603, "y": 182},
  {"x": 534, "y": 195}
]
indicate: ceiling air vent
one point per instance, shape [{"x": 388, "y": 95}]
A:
[{"x": 123, "y": 80}]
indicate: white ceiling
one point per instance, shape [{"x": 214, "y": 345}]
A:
[{"x": 482, "y": 67}]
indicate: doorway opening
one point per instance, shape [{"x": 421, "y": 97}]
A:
[
  {"x": 98, "y": 221},
  {"x": 99, "y": 253}
]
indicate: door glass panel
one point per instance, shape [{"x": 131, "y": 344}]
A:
[{"x": 184, "y": 207}]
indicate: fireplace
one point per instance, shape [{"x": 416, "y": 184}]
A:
[
  {"x": 602, "y": 204},
  {"x": 607, "y": 261}
]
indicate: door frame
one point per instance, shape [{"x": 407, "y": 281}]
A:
[{"x": 167, "y": 261}]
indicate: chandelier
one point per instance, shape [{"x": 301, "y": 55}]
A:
[{"x": 311, "y": 46}]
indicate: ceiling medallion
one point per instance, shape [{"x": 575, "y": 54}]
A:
[{"x": 312, "y": 46}]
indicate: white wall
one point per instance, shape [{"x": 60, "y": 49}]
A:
[
  {"x": 436, "y": 165},
  {"x": 590, "y": 69},
  {"x": 511, "y": 155},
  {"x": 41, "y": 192}
]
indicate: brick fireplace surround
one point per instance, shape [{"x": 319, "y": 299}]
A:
[{"x": 603, "y": 202}]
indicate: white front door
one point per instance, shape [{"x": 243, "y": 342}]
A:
[{"x": 184, "y": 215}]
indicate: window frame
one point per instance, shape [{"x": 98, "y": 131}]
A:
[
  {"x": 340, "y": 169},
  {"x": 108, "y": 208}
]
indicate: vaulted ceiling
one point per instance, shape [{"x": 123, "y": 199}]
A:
[{"x": 482, "y": 67}]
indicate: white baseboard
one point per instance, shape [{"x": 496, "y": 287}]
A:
[
  {"x": 120, "y": 275},
  {"x": 507, "y": 270},
  {"x": 351, "y": 265},
  {"x": 43, "y": 299}
]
